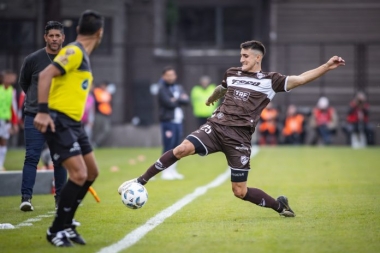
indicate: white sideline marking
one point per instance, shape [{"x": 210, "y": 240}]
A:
[
  {"x": 134, "y": 236},
  {"x": 30, "y": 221}
]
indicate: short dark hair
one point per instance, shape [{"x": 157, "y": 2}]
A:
[
  {"x": 90, "y": 22},
  {"x": 167, "y": 68},
  {"x": 254, "y": 45},
  {"x": 53, "y": 25}
]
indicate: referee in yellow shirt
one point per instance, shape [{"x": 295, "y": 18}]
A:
[{"x": 63, "y": 87}]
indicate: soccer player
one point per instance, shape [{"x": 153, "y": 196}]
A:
[
  {"x": 246, "y": 90},
  {"x": 34, "y": 140},
  {"x": 60, "y": 108}
]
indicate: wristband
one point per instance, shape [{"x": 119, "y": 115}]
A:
[{"x": 43, "y": 107}]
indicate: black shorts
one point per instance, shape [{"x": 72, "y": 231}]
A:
[
  {"x": 234, "y": 142},
  {"x": 69, "y": 138}
]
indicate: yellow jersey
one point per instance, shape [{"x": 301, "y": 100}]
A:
[{"x": 69, "y": 91}]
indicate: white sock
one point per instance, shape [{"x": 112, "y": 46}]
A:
[{"x": 3, "y": 152}]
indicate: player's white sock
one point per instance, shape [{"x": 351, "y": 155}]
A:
[{"x": 3, "y": 153}]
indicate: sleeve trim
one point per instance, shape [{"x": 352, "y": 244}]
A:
[
  {"x": 286, "y": 84},
  {"x": 63, "y": 71}
]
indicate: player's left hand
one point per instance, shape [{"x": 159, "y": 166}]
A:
[
  {"x": 42, "y": 121},
  {"x": 335, "y": 62}
]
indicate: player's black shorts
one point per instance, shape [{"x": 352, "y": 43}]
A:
[
  {"x": 234, "y": 142},
  {"x": 69, "y": 138}
]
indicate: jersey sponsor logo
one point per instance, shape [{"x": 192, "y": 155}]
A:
[
  {"x": 62, "y": 59},
  {"x": 241, "y": 95},
  {"x": 244, "y": 159},
  {"x": 70, "y": 51},
  {"x": 76, "y": 147},
  {"x": 244, "y": 82},
  {"x": 85, "y": 84},
  {"x": 56, "y": 157},
  {"x": 241, "y": 174},
  {"x": 259, "y": 85},
  {"x": 242, "y": 147}
]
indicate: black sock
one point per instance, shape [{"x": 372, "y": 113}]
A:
[
  {"x": 260, "y": 198},
  {"x": 68, "y": 196},
  {"x": 77, "y": 202},
  {"x": 165, "y": 161}
]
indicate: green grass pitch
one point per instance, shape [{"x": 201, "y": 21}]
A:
[{"x": 334, "y": 191}]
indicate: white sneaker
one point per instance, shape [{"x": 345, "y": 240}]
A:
[
  {"x": 167, "y": 174},
  {"x": 177, "y": 175},
  {"x": 125, "y": 185}
]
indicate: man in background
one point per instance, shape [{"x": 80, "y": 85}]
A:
[
  {"x": 199, "y": 94},
  {"x": 358, "y": 129},
  {"x": 34, "y": 139},
  {"x": 171, "y": 96}
]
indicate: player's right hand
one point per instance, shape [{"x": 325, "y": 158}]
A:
[
  {"x": 208, "y": 103},
  {"x": 42, "y": 121}
]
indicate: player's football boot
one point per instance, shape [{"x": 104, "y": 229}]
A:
[
  {"x": 74, "y": 236},
  {"x": 286, "y": 210},
  {"x": 58, "y": 239},
  {"x": 125, "y": 185}
]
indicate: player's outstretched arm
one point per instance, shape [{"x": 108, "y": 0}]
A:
[
  {"x": 218, "y": 93},
  {"x": 308, "y": 76}
]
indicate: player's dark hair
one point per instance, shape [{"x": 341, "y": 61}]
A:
[
  {"x": 254, "y": 45},
  {"x": 90, "y": 22},
  {"x": 53, "y": 25},
  {"x": 167, "y": 68}
]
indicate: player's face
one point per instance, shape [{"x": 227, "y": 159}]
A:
[
  {"x": 249, "y": 59},
  {"x": 170, "y": 76},
  {"x": 54, "y": 39}
]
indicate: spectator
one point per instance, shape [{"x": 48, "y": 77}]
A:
[
  {"x": 171, "y": 96},
  {"x": 32, "y": 66},
  {"x": 324, "y": 121},
  {"x": 199, "y": 94},
  {"x": 103, "y": 111},
  {"x": 293, "y": 130},
  {"x": 268, "y": 128},
  {"x": 8, "y": 117},
  {"x": 358, "y": 127}
]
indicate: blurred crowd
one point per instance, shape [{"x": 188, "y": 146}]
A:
[{"x": 317, "y": 126}]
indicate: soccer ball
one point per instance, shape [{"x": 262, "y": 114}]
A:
[{"x": 134, "y": 196}]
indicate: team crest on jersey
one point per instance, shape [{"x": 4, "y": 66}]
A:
[
  {"x": 220, "y": 115},
  {"x": 260, "y": 75},
  {"x": 85, "y": 84},
  {"x": 238, "y": 73},
  {"x": 244, "y": 159}
]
